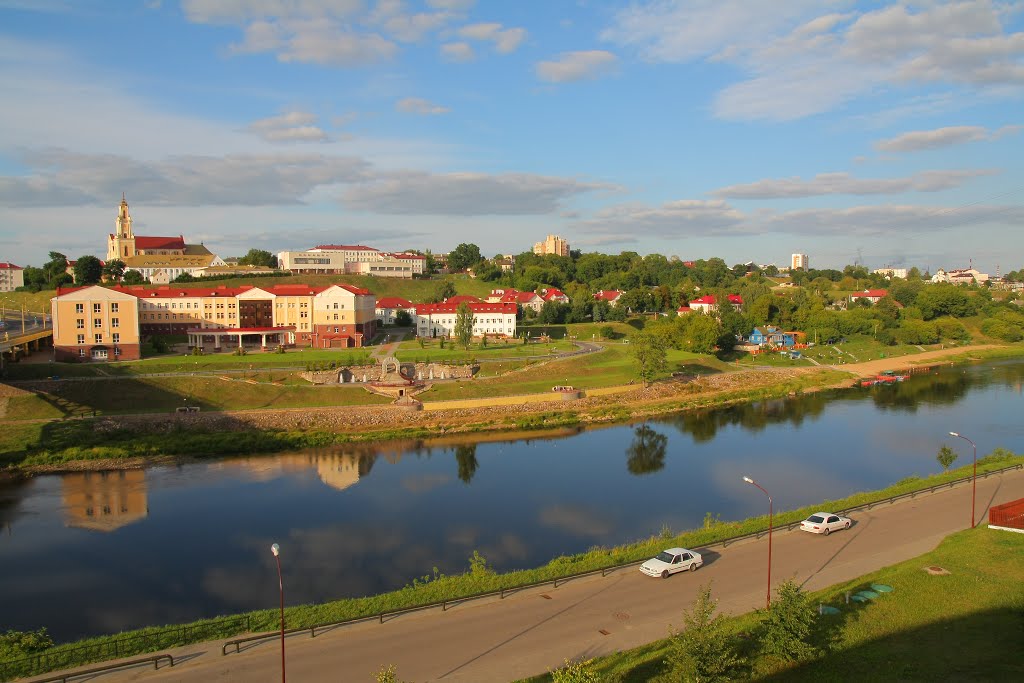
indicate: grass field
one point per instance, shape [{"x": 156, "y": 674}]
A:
[{"x": 963, "y": 626}]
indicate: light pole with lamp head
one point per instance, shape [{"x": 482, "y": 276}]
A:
[
  {"x": 768, "y": 598},
  {"x": 974, "y": 477},
  {"x": 276, "y": 549}
]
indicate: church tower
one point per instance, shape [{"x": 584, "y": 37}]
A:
[{"x": 121, "y": 244}]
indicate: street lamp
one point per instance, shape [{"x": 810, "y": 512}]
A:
[
  {"x": 276, "y": 549},
  {"x": 974, "y": 478},
  {"x": 768, "y": 599}
]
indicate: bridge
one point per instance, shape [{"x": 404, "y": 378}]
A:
[{"x": 22, "y": 333}]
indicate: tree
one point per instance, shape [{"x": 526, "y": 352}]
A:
[
  {"x": 702, "y": 652},
  {"x": 702, "y": 333},
  {"x": 445, "y": 289},
  {"x": 945, "y": 457},
  {"x": 465, "y": 456},
  {"x": 55, "y": 267},
  {"x": 132, "y": 277},
  {"x": 403, "y": 319},
  {"x": 185, "y": 276},
  {"x": 649, "y": 356},
  {"x": 464, "y": 325},
  {"x": 114, "y": 270},
  {"x": 88, "y": 270},
  {"x": 788, "y": 624},
  {"x": 258, "y": 257},
  {"x": 464, "y": 256}
]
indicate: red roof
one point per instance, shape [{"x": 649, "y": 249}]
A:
[
  {"x": 164, "y": 291},
  {"x": 553, "y": 293},
  {"x": 459, "y": 298},
  {"x": 343, "y": 247},
  {"x": 870, "y": 293},
  {"x": 516, "y": 297},
  {"x": 709, "y": 299},
  {"x": 393, "y": 302},
  {"x": 160, "y": 242},
  {"x": 433, "y": 309},
  {"x": 410, "y": 256},
  {"x": 608, "y": 295},
  {"x": 9, "y": 266},
  {"x": 684, "y": 309}
]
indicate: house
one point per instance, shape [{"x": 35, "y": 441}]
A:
[
  {"x": 523, "y": 299},
  {"x": 459, "y": 298},
  {"x": 709, "y": 303},
  {"x": 772, "y": 336},
  {"x": 960, "y": 276},
  {"x": 609, "y": 295},
  {"x": 438, "y": 320},
  {"x": 552, "y": 294},
  {"x": 872, "y": 295},
  {"x": 683, "y": 310},
  {"x": 387, "y": 307}
]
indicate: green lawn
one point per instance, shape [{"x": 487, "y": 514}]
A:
[{"x": 962, "y": 626}]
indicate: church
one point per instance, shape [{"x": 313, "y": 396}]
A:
[{"x": 159, "y": 259}]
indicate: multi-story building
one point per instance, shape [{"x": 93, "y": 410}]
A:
[
  {"x": 387, "y": 307},
  {"x": 352, "y": 260},
  {"x": 321, "y": 316},
  {"x": 800, "y": 262},
  {"x": 709, "y": 303},
  {"x": 95, "y": 323},
  {"x": 890, "y": 273},
  {"x": 552, "y": 244},
  {"x": 438, "y": 320},
  {"x": 11, "y": 277}
]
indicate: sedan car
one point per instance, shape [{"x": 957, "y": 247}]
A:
[
  {"x": 671, "y": 561},
  {"x": 825, "y": 523}
]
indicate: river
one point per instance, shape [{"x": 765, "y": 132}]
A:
[{"x": 91, "y": 553}]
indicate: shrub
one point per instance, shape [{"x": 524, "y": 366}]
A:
[
  {"x": 575, "y": 672},
  {"x": 788, "y": 624},
  {"x": 702, "y": 651}
]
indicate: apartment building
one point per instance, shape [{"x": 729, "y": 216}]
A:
[
  {"x": 438, "y": 320},
  {"x": 11, "y": 277},
  {"x": 95, "y": 324},
  {"x": 351, "y": 260},
  {"x": 552, "y": 244},
  {"x": 799, "y": 262}
]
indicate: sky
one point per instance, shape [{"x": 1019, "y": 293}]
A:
[{"x": 879, "y": 133}]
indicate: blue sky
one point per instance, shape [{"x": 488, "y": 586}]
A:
[{"x": 889, "y": 133}]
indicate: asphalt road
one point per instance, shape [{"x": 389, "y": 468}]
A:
[{"x": 536, "y": 630}]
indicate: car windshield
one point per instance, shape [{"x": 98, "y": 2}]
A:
[
  {"x": 665, "y": 557},
  {"x": 815, "y": 519}
]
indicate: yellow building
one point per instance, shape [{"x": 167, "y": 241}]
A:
[
  {"x": 104, "y": 501},
  {"x": 95, "y": 323},
  {"x": 552, "y": 244}
]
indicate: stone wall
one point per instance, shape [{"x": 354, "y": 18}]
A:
[{"x": 374, "y": 373}]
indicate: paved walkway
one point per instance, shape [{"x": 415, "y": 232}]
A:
[{"x": 536, "y": 630}]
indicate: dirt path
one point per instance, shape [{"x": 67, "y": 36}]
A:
[{"x": 873, "y": 367}]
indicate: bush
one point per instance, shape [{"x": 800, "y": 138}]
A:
[
  {"x": 788, "y": 624},
  {"x": 18, "y": 644},
  {"x": 575, "y": 672},
  {"x": 702, "y": 651}
]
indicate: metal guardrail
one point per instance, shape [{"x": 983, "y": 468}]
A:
[
  {"x": 604, "y": 571},
  {"x": 115, "y": 648},
  {"x": 155, "y": 659}
]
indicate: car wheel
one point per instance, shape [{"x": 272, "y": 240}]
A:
[
  {"x": 827, "y": 531},
  {"x": 846, "y": 526},
  {"x": 664, "y": 573},
  {"x": 693, "y": 567}
]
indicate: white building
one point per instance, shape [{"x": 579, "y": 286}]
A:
[
  {"x": 438, "y": 320},
  {"x": 799, "y": 262},
  {"x": 962, "y": 276},
  {"x": 352, "y": 260},
  {"x": 891, "y": 272},
  {"x": 11, "y": 277}
]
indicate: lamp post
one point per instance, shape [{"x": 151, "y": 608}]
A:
[
  {"x": 768, "y": 598},
  {"x": 974, "y": 477},
  {"x": 276, "y": 549}
]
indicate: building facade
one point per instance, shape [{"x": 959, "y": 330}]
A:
[
  {"x": 334, "y": 259},
  {"x": 11, "y": 277},
  {"x": 552, "y": 244},
  {"x": 438, "y": 320},
  {"x": 95, "y": 324},
  {"x": 800, "y": 262}
]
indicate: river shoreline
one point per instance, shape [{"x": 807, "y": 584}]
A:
[{"x": 497, "y": 420}]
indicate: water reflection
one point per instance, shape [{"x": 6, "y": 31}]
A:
[
  {"x": 104, "y": 501},
  {"x": 646, "y": 454},
  {"x": 465, "y": 455}
]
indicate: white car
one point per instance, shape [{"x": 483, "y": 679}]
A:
[
  {"x": 671, "y": 561},
  {"x": 825, "y": 523}
]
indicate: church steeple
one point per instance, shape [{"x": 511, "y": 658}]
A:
[{"x": 123, "y": 225}]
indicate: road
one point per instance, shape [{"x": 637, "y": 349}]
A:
[{"x": 536, "y": 630}]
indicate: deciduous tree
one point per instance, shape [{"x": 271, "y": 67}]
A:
[{"x": 464, "y": 325}]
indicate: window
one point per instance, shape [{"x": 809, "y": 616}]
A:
[
  {"x": 97, "y": 308},
  {"x": 115, "y": 322},
  {"x": 117, "y": 352},
  {"x": 335, "y": 316},
  {"x": 97, "y": 322},
  {"x": 79, "y": 308},
  {"x": 98, "y": 338},
  {"x": 80, "y": 324},
  {"x": 113, "y": 308},
  {"x": 81, "y": 339},
  {"x": 117, "y": 338}
]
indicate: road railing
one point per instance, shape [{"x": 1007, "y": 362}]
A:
[
  {"x": 236, "y": 643},
  {"x": 63, "y": 678}
]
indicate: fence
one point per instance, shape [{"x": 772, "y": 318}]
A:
[{"x": 1009, "y": 515}]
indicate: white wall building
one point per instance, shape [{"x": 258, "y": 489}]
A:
[
  {"x": 353, "y": 260},
  {"x": 799, "y": 262},
  {"x": 438, "y": 320}
]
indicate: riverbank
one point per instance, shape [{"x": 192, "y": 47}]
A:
[{"x": 116, "y": 442}]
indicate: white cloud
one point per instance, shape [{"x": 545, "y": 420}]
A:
[
  {"x": 681, "y": 218},
  {"x": 464, "y": 194},
  {"x": 458, "y": 52},
  {"x": 576, "y": 66},
  {"x": 506, "y": 40},
  {"x": 417, "y": 105},
  {"x": 294, "y": 126},
  {"x": 918, "y": 140},
  {"x": 844, "y": 183},
  {"x": 801, "y": 61},
  {"x": 240, "y": 11}
]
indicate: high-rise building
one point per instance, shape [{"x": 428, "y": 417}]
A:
[
  {"x": 552, "y": 244},
  {"x": 800, "y": 262}
]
